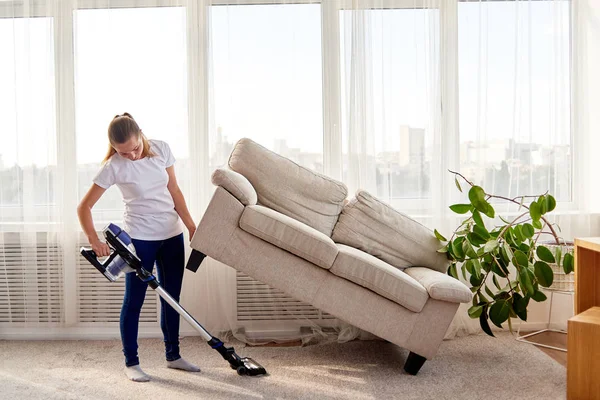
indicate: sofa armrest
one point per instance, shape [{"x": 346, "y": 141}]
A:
[
  {"x": 236, "y": 184},
  {"x": 441, "y": 286}
]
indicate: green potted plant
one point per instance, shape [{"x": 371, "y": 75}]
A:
[{"x": 506, "y": 264}]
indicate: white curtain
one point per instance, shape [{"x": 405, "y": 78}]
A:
[
  {"x": 386, "y": 95},
  {"x": 30, "y": 260}
]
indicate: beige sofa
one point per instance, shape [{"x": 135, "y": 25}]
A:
[{"x": 358, "y": 259}]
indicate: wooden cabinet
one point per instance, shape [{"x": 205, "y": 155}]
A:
[
  {"x": 587, "y": 274},
  {"x": 583, "y": 358}
]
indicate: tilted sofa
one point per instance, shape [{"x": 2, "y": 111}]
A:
[{"x": 358, "y": 260}]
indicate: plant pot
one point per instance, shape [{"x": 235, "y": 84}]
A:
[{"x": 562, "y": 282}]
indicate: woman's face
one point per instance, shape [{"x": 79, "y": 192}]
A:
[{"x": 131, "y": 149}]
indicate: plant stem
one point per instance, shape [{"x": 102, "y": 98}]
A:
[{"x": 556, "y": 238}]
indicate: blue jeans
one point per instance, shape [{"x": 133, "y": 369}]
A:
[{"x": 169, "y": 255}]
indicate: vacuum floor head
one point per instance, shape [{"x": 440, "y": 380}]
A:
[{"x": 250, "y": 367}]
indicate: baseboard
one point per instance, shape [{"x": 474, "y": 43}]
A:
[{"x": 82, "y": 333}]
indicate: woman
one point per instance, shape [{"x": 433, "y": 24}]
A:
[{"x": 143, "y": 171}]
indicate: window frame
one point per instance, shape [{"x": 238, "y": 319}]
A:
[{"x": 62, "y": 14}]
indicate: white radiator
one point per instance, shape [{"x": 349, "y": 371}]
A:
[
  {"x": 31, "y": 280},
  {"x": 31, "y": 284},
  {"x": 264, "y": 312}
]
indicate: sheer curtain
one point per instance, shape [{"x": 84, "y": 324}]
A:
[
  {"x": 385, "y": 95},
  {"x": 30, "y": 260},
  {"x": 67, "y": 68}
]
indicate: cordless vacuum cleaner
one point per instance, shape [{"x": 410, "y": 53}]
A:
[{"x": 123, "y": 259}]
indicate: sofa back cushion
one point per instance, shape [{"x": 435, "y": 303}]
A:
[
  {"x": 289, "y": 188},
  {"x": 374, "y": 227}
]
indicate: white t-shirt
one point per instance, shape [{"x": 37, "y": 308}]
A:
[{"x": 149, "y": 209}]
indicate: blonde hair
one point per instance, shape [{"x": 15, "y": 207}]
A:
[{"x": 120, "y": 130}]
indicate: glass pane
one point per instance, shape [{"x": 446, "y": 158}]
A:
[
  {"x": 515, "y": 97},
  {"x": 27, "y": 119},
  {"x": 389, "y": 60},
  {"x": 124, "y": 63},
  {"x": 266, "y": 80}
]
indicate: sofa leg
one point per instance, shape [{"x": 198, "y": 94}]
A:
[
  {"x": 195, "y": 260},
  {"x": 414, "y": 362}
]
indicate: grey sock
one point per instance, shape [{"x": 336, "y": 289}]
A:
[
  {"x": 136, "y": 374},
  {"x": 180, "y": 363}
]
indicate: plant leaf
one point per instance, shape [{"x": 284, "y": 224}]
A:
[
  {"x": 461, "y": 208},
  {"x": 475, "y": 281},
  {"x": 568, "y": 265},
  {"x": 475, "y": 239},
  {"x": 498, "y": 270},
  {"x": 457, "y": 250},
  {"x": 534, "y": 211},
  {"x": 468, "y": 249},
  {"x": 481, "y": 232},
  {"x": 527, "y": 230},
  {"x": 476, "y": 195},
  {"x": 525, "y": 281},
  {"x": 483, "y": 321},
  {"x": 543, "y": 273},
  {"x": 536, "y": 224},
  {"x": 518, "y": 234},
  {"x": 558, "y": 255},
  {"x": 489, "y": 211},
  {"x": 545, "y": 254},
  {"x": 452, "y": 271},
  {"x": 539, "y": 296},
  {"x": 550, "y": 202},
  {"x": 477, "y": 218},
  {"x": 475, "y": 311},
  {"x": 457, "y": 184},
  {"x": 543, "y": 205},
  {"x": 509, "y": 252},
  {"x": 439, "y": 236},
  {"x": 499, "y": 312},
  {"x": 491, "y": 245},
  {"x": 477, "y": 198},
  {"x": 489, "y": 292},
  {"x": 520, "y": 259},
  {"x": 476, "y": 267},
  {"x": 496, "y": 283},
  {"x": 520, "y": 302}
]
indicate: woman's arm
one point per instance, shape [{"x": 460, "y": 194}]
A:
[
  {"x": 84, "y": 212},
  {"x": 179, "y": 201}
]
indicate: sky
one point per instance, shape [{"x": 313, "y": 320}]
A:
[{"x": 267, "y": 76}]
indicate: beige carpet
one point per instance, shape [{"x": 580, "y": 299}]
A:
[{"x": 474, "y": 367}]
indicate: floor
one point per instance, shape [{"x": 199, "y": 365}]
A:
[
  {"x": 93, "y": 370},
  {"x": 555, "y": 339}
]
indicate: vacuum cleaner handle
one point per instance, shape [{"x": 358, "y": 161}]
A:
[{"x": 92, "y": 258}]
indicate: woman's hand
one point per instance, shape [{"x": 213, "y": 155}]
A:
[
  {"x": 191, "y": 229},
  {"x": 101, "y": 249}
]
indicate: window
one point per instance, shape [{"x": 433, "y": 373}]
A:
[
  {"x": 388, "y": 62},
  {"x": 122, "y": 66},
  {"x": 27, "y": 119},
  {"x": 267, "y": 80},
  {"x": 515, "y": 96}
]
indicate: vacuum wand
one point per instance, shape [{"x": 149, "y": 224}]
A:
[{"x": 124, "y": 259}]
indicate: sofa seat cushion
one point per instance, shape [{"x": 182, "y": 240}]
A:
[
  {"x": 289, "y": 234},
  {"x": 282, "y": 185},
  {"x": 374, "y": 227},
  {"x": 380, "y": 277}
]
